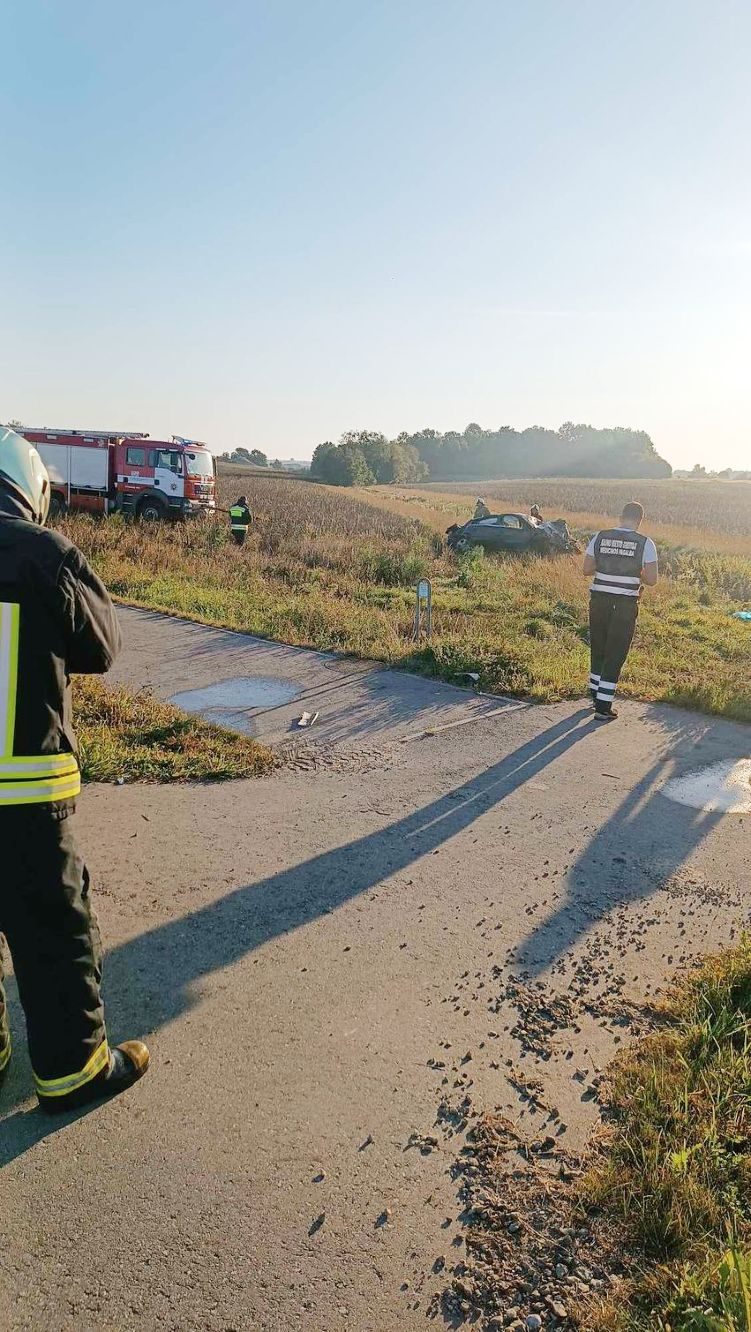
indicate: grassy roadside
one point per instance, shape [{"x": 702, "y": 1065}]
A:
[
  {"x": 333, "y": 571},
  {"x": 650, "y": 1230},
  {"x": 675, "y": 1169},
  {"x": 130, "y": 736}
]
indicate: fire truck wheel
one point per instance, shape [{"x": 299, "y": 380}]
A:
[
  {"x": 151, "y": 510},
  {"x": 57, "y": 505}
]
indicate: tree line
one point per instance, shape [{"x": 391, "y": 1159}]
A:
[
  {"x": 699, "y": 473},
  {"x": 366, "y": 457}
]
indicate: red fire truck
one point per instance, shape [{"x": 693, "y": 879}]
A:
[{"x": 104, "y": 471}]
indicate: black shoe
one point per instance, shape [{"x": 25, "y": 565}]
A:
[
  {"x": 602, "y": 715},
  {"x": 128, "y": 1063}
]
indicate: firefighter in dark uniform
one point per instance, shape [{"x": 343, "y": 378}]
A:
[
  {"x": 240, "y": 519},
  {"x": 623, "y": 562},
  {"x": 55, "y": 618}
]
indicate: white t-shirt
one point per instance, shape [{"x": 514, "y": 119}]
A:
[{"x": 650, "y": 549}]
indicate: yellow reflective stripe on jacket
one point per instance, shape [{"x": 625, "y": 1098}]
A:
[
  {"x": 35, "y": 793},
  {"x": 10, "y": 618},
  {"x": 62, "y": 1086},
  {"x": 5, "y": 1054},
  {"x": 44, "y": 765},
  {"x": 26, "y": 779}
]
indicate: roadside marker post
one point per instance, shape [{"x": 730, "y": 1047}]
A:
[{"x": 423, "y": 610}]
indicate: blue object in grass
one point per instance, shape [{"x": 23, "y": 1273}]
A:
[{"x": 742, "y": 615}]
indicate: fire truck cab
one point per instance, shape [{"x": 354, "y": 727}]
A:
[
  {"x": 106, "y": 471},
  {"x": 164, "y": 478}
]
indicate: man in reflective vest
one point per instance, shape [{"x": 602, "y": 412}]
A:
[
  {"x": 240, "y": 520},
  {"x": 623, "y": 562},
  {"x": 55, "y": 618}
]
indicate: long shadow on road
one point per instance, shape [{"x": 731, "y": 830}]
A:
[
  {"x": 645, "y": 841},
  {"x": 150, "y": 979},
  {"x": 633, "y": 855}
]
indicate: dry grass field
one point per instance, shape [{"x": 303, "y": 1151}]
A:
[{"x": 334, "y": 569}]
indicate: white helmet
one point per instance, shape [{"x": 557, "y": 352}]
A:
[{"x": 23, "y": 473}]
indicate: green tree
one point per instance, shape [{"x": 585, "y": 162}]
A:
[
  {"x": 322, "y": 461},
  {"x": 408, "y": 466},
  {"x": 390, "y": 460},
  {"x": 341, "y": 465},
  {"x": 375, "y": 449},
  {"x": 351, "y": 468}
]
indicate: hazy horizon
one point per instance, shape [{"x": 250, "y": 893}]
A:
[{"x": 265, "y": 225}]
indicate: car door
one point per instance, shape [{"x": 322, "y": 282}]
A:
[
  {"x": 135, "y": 477},
  {"x": 487, "y": 532},
  {"x": 168, "y": 474},
  {"x": 513, "y": 532}
]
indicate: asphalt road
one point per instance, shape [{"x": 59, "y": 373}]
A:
[
  {"x": 262, "y": 688},
  {"x": 312, "y": 958}
]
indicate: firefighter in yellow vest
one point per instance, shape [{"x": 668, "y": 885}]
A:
[
  {"x": 240, "y": 519},
  {"x": 55, "y": 619}
]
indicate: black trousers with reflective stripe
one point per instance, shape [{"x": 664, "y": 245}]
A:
[
  {"x": 612, "y": 622},
  {"x": 238, "y": 535},
  {"x": 51, "y": 931}
]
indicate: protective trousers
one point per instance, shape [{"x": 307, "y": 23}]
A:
[
  {"x": 53, "y": 937},
  {"x": 612, "y": 621},
  {"x": 239, "y": 534}
]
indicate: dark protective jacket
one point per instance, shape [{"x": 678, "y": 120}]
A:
[
  {"x": 56, "y": 619},
  {"x": 619, "y": 557},
  {"x": 239, "y": 517}
]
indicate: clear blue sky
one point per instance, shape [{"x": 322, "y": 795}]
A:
[{"x": 264, "y": 222}]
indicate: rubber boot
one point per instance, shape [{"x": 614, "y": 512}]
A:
[{"x": 128, "y": 1063}]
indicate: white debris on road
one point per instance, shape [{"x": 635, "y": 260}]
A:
[{"x": 723, "y": 788}]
